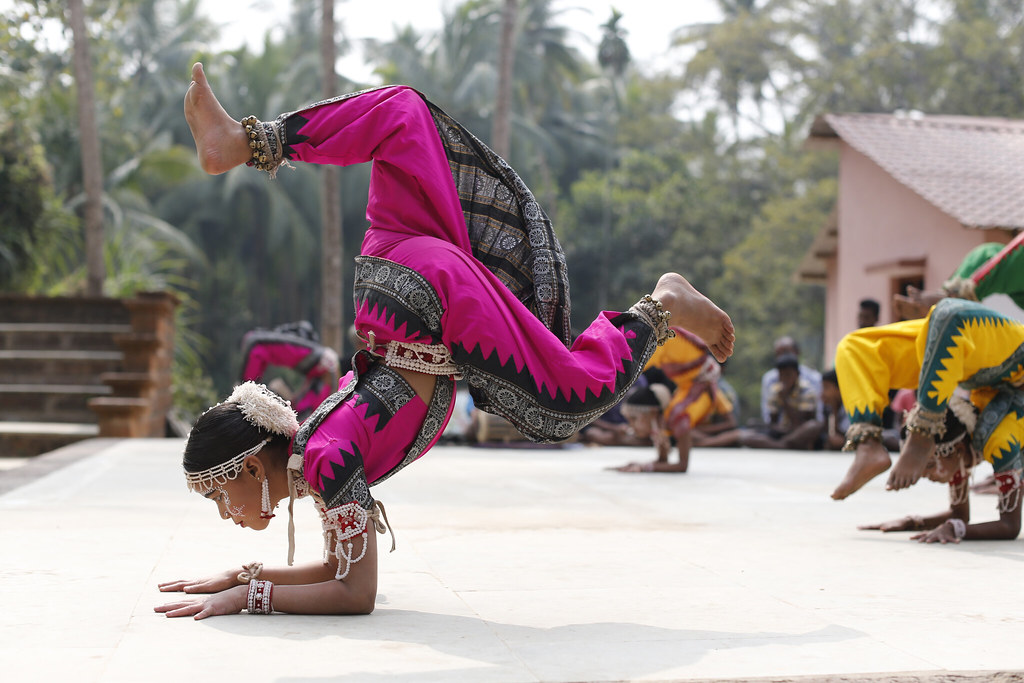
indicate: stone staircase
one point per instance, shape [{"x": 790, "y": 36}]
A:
[{"x": 72, "y": 368}]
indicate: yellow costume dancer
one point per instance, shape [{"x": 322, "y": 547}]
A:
[
  {"x": 685, "y": 359},
  {"x": 959, "y": 343}
]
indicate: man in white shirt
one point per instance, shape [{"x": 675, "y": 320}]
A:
[{"x": 788, "y": 346}]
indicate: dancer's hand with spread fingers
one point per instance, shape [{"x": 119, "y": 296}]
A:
[
  {"x": 213, "y": 584},
  {"x": 231, "y": 601},
  {"x": 944, "y": 533}
]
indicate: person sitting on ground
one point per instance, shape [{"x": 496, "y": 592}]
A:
[
  {"x": 791, "y": 425},
  {"x": 960, "y": 344},
  {"x": 787, "y": 346},
  {"x": 459, "y": 274},
  {"x": 990, "y": 268},
  {"x": 295, "y": 346},
  {"x": 951, "y": 463}
]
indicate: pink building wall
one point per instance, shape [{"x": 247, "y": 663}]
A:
[{"x": 885, "y": 231}]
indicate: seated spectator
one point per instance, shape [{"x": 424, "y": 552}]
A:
[
  {"x": 791, "y": 414},
  {"x": 787, "y": 346}
]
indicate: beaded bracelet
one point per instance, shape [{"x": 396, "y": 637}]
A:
[
  {"x": 260, "y": 593},
  {"x": 959, "y": 527}
]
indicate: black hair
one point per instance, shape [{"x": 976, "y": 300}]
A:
[
  {"x": 872, "y": 306},
  {"x": 830, "y": 376},
  {"x": 787, "y": 360},
  {"x": 220, "y": 434}
]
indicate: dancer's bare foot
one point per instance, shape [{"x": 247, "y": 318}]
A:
[
  {"x": 907, "y": 308},
  {"x": 221, "y": 142},
  {"x": 870, "y": 460},
  {"x": 695, "y": 312},
  {"x": 911, "y": 463}
]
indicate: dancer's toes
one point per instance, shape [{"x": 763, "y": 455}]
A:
[
  {"x": 911, "y": 463},
  {"x": 870, "y": 460}
]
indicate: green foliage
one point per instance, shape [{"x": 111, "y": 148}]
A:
[
  {"x": 31, "y": 217},
  {"x": 765, "y": 262},
  {"x": 699, "y": 169}
]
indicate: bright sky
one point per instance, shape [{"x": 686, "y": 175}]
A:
[{"x": 648, "y": 22}]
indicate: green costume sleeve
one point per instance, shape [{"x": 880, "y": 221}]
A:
[
  {"x": 976, "y": 258},
  {"x": 1005, "y": 276}
]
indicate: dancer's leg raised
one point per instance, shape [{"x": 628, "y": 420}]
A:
[
  {"x": 221, "y": 142},
  {"x": 695, "y": 312}
]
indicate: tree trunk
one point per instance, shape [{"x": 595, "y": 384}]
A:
[
  {"x": 92, "y": 164},
  {"x": 500, "y": 135},
  {"x": 331, "y": 269}
]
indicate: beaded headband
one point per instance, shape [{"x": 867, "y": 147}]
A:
[
  {"x": 206, "y": 480},
  {"x": 262, "y": 409}
]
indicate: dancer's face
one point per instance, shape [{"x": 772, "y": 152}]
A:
[
  {"x": 942, "y": 470},
  {"x": 239, "y": 500},
  {"x": 643, "y": 424}
]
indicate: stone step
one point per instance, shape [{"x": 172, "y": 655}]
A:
[
  {"x": 61, "y": 403},
  {"x": 121, "y": 416},
  {"x": 60, "y": 336},
  {"x": 29, "y": 439},
  {"x": 57, "y": 367},
  {"x": 20, "y": 308}
]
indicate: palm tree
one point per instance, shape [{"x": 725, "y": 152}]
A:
[
  {"x": 92, "y": 163},
  {"x": 741, "y": 55},
  {"x": 506, "y": 60},
  {"x": 330, "y": 198}
]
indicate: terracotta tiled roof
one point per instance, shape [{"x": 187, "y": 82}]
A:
[{"x": 969, "y": 167}]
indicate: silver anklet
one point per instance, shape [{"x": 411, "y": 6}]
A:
[
  {"x": 267, "y": 151},
  {"x": 926, "y": 423},
  {"x": 861, "y": 431},
  {"x": 653, "y": 313}
]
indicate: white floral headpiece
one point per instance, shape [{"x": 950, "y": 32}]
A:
[{"x": 264, "y": 409}]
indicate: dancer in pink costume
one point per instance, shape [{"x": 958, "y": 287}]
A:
[
  {"x": 295, "y": 346},
  {"x": 459, "y": 274}
]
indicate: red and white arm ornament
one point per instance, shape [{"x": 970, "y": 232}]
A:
[{"x": 344, "y": 523}]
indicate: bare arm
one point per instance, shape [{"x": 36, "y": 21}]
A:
[
  {"x": 1006, "y": 528},
  {"x": 929, "y": 522},
  {"x": 309, "y": 589}
]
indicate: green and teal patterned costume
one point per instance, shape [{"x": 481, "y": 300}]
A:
[{"x": 960, "y": 343}]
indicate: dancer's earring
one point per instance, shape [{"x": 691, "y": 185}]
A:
[{"x": 266, "y": 512}]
